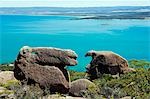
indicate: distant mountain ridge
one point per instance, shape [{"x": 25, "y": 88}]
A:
[{"x": 121, "y": 12}]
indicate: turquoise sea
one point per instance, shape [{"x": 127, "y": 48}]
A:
[{"x": 129, "y": 38}]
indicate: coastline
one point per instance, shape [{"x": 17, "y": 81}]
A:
[
  {"x": 54, "y": 42},
  {"x": 118, "y": 12},
  {"x": 81, "y": 17}
]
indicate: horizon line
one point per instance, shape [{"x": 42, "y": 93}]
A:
[{"x": 74, "y": 6}]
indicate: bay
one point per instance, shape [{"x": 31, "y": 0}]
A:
[{"x": 129, "y": 38}]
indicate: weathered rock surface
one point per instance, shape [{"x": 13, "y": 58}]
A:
[
  {"x": 106, "y": 62},
  {"x": 45, "y": 66},
  {"x": 79, "y": 86},
  {"x": 49, "y": 56},
  {"x": 6, "y": 76}
]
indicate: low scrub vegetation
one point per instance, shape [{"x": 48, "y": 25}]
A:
[
  {"x": 135, "y": 84},
  {"x": 139, "y": 64},
  {"x": 76, "y": 75},
  {"x": 6, "y": 68}
]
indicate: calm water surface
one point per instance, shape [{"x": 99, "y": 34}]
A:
[{"x": 129, "y": 38}]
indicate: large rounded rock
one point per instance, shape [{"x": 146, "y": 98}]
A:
[
  {"x": 49, "y": 56},
  {"x": 47, "y": 77},
  {"x": 45, "y": 66},
  {"x": 106, "y": 62},
  {"x": 77, "y": 87}
]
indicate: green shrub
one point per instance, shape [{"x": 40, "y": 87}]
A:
[
  {"x": 135, "y": 84},
  {"x": 6, "y": 67},
  {"x": 76, "y": 75},
  {"x": 139, "y": 63},
  {"x": 11, "y": 83}
]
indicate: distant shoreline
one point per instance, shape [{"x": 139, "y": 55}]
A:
[
  {"x": 118, "y": 12},
  {"x": 79, "y": 17}
]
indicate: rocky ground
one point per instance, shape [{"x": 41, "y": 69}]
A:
[{"x": 40, "y": 73}]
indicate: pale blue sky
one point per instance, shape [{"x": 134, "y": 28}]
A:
[{"x": 72, "y": 3}]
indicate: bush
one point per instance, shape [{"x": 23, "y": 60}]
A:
[
  {"x": 139, "y": 64},
  {"x": 132, "y": 84},
  {"x": 76, "y": 75},
  {"x": 6, "y": 67},
  {"x": 11, "y": 83}
]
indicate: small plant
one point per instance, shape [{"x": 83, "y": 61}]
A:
[
  {"x": 76, "y": 75},
  {"x": 11, "y": 83}
]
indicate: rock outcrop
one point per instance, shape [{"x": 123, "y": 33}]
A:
[
  {"x": 106, "y": 62},
  {"x": 6, "y": 76},
  {"x": 45, "y": 66},
  {"x": 77, "y": 87}
]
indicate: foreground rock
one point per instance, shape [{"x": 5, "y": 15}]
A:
[
  {"x": 6, "y": 76},
  {"x": 106, "y": 62},
  {"x": 79, "y": 86},
  {"x": 45, "y": 66}
]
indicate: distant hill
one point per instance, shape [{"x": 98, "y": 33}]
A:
[{"x": 120, "y": 12}]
